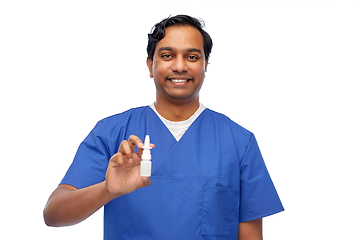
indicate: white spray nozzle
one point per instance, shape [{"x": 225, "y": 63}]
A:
[
  {"x": 147, "y": 142},
  {"x": 145, "y": 165}
]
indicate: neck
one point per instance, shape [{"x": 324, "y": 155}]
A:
[{"x": 176, "y": 112}]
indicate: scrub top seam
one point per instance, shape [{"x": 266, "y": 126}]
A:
[
  {"x": 106, "y": 139},
  {"x": 220, "y": 149},
  {"x": 247, "y": 149}
]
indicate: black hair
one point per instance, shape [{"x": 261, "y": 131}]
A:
[{"x": 158, "y": 32}]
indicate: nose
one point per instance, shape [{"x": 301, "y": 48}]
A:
[{"x": 179, "y": 64}]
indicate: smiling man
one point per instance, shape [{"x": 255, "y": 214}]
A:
[
  {"x": 178, "y": 68},
  {"x": 208, "y": 181}
]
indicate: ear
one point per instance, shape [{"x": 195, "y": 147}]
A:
[
  {"x": 149, "y": 63},
  {"x": 206, "y": 64}
]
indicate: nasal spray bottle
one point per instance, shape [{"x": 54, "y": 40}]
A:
[{"x": 145, "y": 164}]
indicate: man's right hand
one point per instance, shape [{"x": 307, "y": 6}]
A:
[{"x": 123, "y": 173}]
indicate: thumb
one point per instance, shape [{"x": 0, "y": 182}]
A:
[{"x": 143, "y": 182}]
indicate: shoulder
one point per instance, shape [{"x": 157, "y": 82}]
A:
[
  {"x": 113, "y": 129},
  {"x": 114, "y": 126},
  {"x": 236, "y": 135},
  {"x": 229, "y": 123},
  {"x": 125, "y": 116}
]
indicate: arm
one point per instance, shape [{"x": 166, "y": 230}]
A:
[
  {"x": 251, "y": 230},
  {"x": 68, "y": 205}
]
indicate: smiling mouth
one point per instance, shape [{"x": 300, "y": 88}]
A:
[{"x": 177, "y": 80}]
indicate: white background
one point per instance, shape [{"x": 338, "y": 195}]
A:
[{"x": 288, "y": 71}]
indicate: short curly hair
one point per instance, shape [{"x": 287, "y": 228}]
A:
[{"x": 158, "y": 33}]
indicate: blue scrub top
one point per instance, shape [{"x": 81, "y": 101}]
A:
[{"x": 202, "y": 186}]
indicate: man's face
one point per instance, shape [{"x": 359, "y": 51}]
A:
[{"x": 178, "y": 65}]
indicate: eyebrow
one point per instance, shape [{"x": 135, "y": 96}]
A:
[
  {"x": 187, "y": 50},
  {"x": 165, "y": 49},
  {"x": 194, "y": 50}
]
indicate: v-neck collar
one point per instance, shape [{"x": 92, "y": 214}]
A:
[
  {"x": 178, "y": 129},
  {"x": 169, "y": 155}
]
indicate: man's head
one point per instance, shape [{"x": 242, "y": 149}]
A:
[
  {"x": 178, "y": 50},
  {"x": 158, "y": 33}
]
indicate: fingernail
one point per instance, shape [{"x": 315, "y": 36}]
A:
[{"x": 130, "y": 160}]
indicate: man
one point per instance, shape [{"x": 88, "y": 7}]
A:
[{"x": 208, "y": 180}]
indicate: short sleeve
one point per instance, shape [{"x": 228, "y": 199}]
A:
[
  {"x": 91, "y": 160},
  {"x": 258, "y": 196}
]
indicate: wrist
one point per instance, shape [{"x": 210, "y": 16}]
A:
[{"x": 108, "y": 192}]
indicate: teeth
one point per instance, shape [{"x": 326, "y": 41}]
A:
[{"x": 179, "y": 80}]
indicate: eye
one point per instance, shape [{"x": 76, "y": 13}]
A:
[
  {"x": 193, "y": 57},
  {"x": 166, "y": 56}
]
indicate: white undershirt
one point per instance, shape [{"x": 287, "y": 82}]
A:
[{"x": 179, "y": 128}]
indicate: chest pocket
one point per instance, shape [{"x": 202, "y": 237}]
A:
[{"x": 220, "y": 210}]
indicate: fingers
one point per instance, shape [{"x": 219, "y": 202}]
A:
[
  {"x": 127, "y": 150},
  {"x": 118, "y": 160},
  {"x": 128, "y": 147},
  {"x": 135, "y": 141}
]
